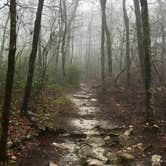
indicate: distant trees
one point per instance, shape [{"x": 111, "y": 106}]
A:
[
  {"x": 9, "y": 83},
  {"x": 32, "y": 58},
  {"x": 127, "y": 28},
  {"x": 150, "y": 110},
  {"x": 103, "y": 76}
]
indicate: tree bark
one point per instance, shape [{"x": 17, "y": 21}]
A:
[
  {"x": 32, "y": 59},
  {"x": 9, "y": 83},
  {"x": 150, "y": 110}
]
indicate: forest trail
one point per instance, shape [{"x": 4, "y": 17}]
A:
[
  {"x": 87, "y": 126},
  {"x": 84, "y": 136}
]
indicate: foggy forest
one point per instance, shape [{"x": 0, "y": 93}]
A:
[{"x": 82, "y": 83}]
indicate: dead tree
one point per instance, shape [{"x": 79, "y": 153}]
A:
[
  {"x": 32, "y": 58},
  {"x": 9, "y": 83}
]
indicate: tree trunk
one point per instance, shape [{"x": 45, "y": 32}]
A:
[
  {"x": 89, "y": 45},
  {"x": 126, "y": 21},
  {"x": 150, "y": 110},
  {"x": 163, "y": 33},
  {"x": 140, "y": 37},
  {"x": 32, "y": 59},
  {"x": 63, "y": 47},
  {"x": 9, "y": 83},
  {"x": 3, "y": 41},
  {"x": 103, "y": 6}
]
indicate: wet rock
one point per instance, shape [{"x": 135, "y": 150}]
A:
[
  {"x": 52, "y": 164},
  {"x": 93, "y": 100},
  {"x": 96, "y": 141},
  {"x": 94, "y": 162},
  {"x": 82, "y": 96},
  {"x": 112, "y": 157},
  {"x": 93, "y": 152},
  {"x": 138, "y": 146},
  {"x": 64, "y": 146},
  {"x": 156, "y": 160},
  {"x": 10, "y": 144},
  {"x": 129, "y": 148},
  {"x": 125, "y": 136},
  {"x": 125, "y": 159},
  {"x": 107, "y": 138}
]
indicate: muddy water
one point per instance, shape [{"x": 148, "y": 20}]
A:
[{"x": 90, "y": 149}]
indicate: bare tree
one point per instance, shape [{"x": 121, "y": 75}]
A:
[
  {"x": 9, "y": 83},
  {"x": 32, "y": 58}
]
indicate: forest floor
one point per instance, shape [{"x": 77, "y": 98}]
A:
[{"x": 89, "y": 129}]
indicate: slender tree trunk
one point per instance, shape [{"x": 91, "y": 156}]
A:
[
  {"x": 121, "y": 51},
  {"x": 59, "y": 38},
  {"x": 9, "y": 83},
  {"x": 32, "y": 59},
  {"x": 89, "y": 45},
  {"x": 72, "y": 49},
  {"x": 63, "y": 47},
  {"x": 109, "y": 42},
  {"x": 3, "y": 40},
  {"x": 140, "y": 37},
  {"x": 103, "y": 6},
  {"x": 109, "y": 50},
  {"x": 40, "y": 51},
  {"x": 150, "y": 110},
  {"x": 126, "y": 21},
  {"x": 163, "y": 55},
  {"x": 163, "y": 33}
]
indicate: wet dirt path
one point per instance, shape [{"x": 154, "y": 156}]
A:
[
  {"x": 84, "y": 136},
  {"x": 86, "y": 144}
]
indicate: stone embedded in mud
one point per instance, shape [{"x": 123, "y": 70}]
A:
[
  {"x": 107, "y": 138},
  {"x": 93, "y": 100},
  {"x": 52, "y": 164},
  {"x": 125, "y": 159},
  {"x": 93, "y": 152},
  {"x": 138, "y": 146},
  {"x": 156, "y": 160},
  {"x": 125, "y": 136},
  {"x": 94, "y": 162},
  {"x": 81, "y": 96},
  {"x": 96, "y": 141},
  {"x": 9, "y": 144},
  {"x": 112, "y": 157},
  {"x": 65, "y": 146}
]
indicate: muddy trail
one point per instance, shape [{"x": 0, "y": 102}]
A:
[{"x": 86, "y": 136}]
